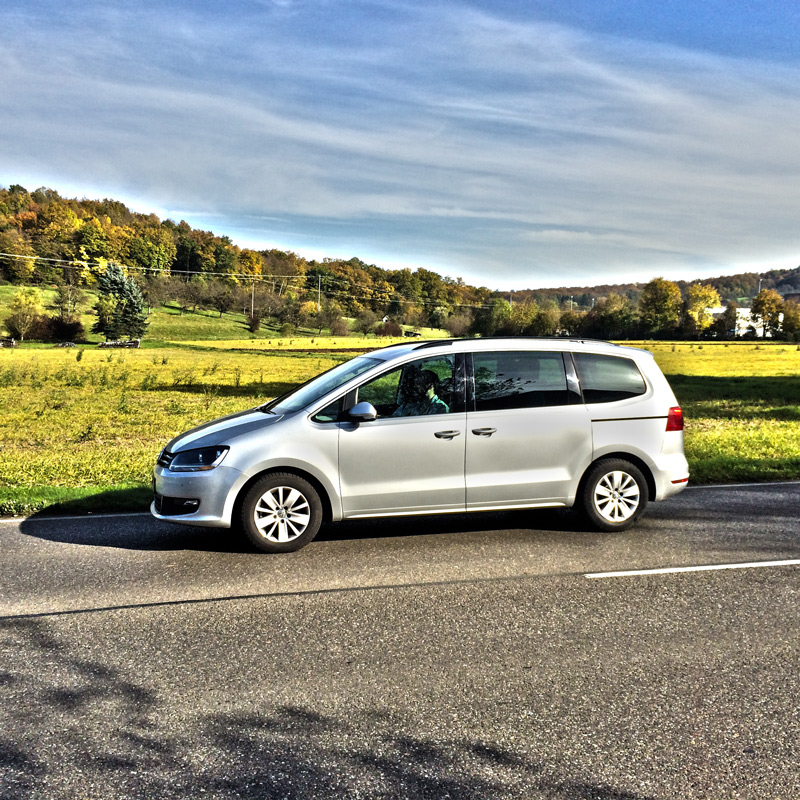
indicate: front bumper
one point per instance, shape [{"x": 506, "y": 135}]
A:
[{"x": 216, "y": 490}]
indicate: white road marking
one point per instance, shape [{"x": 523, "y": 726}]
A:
[
  {"x": 753, "y": 485},
  {"x": 790, "y": 562}
]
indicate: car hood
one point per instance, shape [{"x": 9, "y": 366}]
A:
[{"x": 222, "y": 430}]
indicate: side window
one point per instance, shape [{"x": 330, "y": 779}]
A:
[
  {"x": 608, "y": 378},
  {"x": 420, "y": 388},
  {"x": 330, "y": 413},
  {"x": 519, "y": 380}
]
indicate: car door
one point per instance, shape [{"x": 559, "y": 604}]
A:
[
  {"x": 529, "y": 436},
  {"x": 410, "y": 460}
]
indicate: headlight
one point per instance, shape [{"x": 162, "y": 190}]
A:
[{"x": 198, "y": 460}]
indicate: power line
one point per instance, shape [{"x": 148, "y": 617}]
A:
[{"x": 64, "y": 264}]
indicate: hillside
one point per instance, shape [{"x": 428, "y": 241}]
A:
[{"x": 45, "y": 238}]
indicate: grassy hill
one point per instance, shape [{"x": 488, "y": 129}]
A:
[{"x": 168, "y": 323}]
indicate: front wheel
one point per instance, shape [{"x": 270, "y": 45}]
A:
[
  {"x": 281, "y": 513},
  {"x": 614, "y": 494}
]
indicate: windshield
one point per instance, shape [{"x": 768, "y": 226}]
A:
[{"x": 318, "y": 387}]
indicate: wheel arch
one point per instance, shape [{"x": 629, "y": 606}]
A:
[
  {"x": 635, "y": 460},
  {"x": 327, "y": 505}
]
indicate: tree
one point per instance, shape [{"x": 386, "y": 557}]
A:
[
  {"x": 220, "y": 296},
  {"x": 547, "y": 321},
  {"x": 570, "y": 322},
  {"x": 767, "y": 309},
  {"x": 389, "y": 328},
  {"x": 725, "y": 326},
  {"x": 791, "y": 320},
  {"x": 68, "y": 299},
  {"x": 64, "y": 328},
  {"x": 152, "y": 248},
  {"x": 262, "y": 303},
  {"x": 105, "y": 307},
  {"x": 339, "y": 327},
  {"x": 365, "y": 322},
  {"x": 458, "y": 325},
  {"x": 328, "y": 315},
  {"x": 120, "y": 307},
  {"x": 132, "y": 315},
  {"x": 15, "y": 244},
  {"x": 26, "y": 310},
  {"x": 660, "y": 307},
  {"x": 155, "y": 289},
  {"x": 521, "y": 318},
  {"x": 491, "y": 318},
  {"x": 308, "y": 313},
  {"x": 699, "y": 298},
  {"x": 611, "y": 318}
]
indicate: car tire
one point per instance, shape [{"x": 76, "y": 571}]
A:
[
  {"x": 613, "y": 494},
  {"x": 281, "y": 513}
]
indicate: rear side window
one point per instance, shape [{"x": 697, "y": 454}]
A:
[
  {"x": 519, "y": 380},
  {"x": 608, "y": 378}
]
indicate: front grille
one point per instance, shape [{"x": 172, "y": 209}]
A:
[{"x": 165, "y": 459}]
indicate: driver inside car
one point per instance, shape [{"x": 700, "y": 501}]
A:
[{"x": 420, "y": 396}]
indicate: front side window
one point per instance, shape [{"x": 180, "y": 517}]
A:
[
  {"x": 421, "y": 388},
  {"x": 508, "y": 380},
  {"x": 605, "y": 379}
]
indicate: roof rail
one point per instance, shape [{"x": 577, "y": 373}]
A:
[
  {"x": 448, "y": 342},
  {"x": 550, "y": 339},
  {"x": 582, "y": 339}
]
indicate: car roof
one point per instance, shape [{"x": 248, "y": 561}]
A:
[{"x": 436, "y": 346}]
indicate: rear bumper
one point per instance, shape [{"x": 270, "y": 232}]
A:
[{"x": 671, "y": 475}]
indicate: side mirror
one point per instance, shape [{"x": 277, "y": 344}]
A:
[{"x": 362, "y": 412}]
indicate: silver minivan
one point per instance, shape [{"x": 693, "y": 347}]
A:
[{"x": 435, "y": 427}]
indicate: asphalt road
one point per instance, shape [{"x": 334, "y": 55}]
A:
[{"x": 461, "y": 657}]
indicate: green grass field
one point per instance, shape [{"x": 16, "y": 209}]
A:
[
  {"x": 742, "y": 407},
  {"x": 81, "y": 427}
]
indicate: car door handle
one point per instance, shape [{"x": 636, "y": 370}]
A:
[
  {"x": 447, "y": 434},
  {"x": 484, "y": 431}
]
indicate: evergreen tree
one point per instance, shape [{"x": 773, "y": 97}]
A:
[{"x": 120, "y": 308}]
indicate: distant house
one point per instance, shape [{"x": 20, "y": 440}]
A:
[{"x": 744, "y": 324}]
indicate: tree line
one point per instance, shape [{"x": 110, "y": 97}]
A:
[{"x": 135, "y": 260}]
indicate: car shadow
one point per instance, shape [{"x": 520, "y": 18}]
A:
[
  {"x": 546, "y": 519},
  {"x": 142, "y": 532}
]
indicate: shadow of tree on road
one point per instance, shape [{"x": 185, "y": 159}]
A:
[{"x": 78, "y": 727}]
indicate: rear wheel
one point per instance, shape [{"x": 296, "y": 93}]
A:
[
  {"x": 281, "y": 513},
  {"x": 614, "y": 494}
]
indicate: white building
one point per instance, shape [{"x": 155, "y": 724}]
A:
[{"x": 744, "y": 324}]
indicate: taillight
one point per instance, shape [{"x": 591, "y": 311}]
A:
[{"x": 675, "y": 419}]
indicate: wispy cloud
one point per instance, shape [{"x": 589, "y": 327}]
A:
[{"x": 507, "y": 151}]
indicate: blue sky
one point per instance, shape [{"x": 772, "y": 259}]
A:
[{"x": 513, "y": 144}]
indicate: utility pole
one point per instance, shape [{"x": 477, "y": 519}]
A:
[{"x": 319, "y": 293}]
